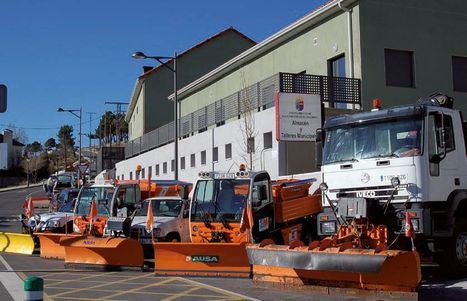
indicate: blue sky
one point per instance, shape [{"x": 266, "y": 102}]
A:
[{"x": 78, "y": 52}]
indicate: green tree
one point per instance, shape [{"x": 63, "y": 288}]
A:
[
  {"x": 50, "y": 144},
  {"x": 34, "y": 147},
  {"x": 65, "y": 135}
]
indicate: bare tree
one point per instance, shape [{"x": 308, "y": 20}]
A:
[
  {"x": 19, "y": 134},
  {"x": 32, "y": 165},
  {"x": 247, "y": 124}
]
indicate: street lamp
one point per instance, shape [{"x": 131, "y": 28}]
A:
[
  {"x": 141, "y": 55},
  {"x": 79, "y": 116}
]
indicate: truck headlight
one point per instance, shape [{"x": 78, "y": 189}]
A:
[
  {"x": 328, "y": 227},
  {"x": 54, "y": 223}
]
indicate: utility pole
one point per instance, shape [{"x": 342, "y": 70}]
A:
[{"x": 91, "y": 153}]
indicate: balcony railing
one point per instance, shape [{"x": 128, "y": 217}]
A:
[{"x": 260, "y": 96}]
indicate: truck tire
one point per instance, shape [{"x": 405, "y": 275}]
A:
[
  {"x": 453, "y": 262},
  {"x": 173, "y": 237}
]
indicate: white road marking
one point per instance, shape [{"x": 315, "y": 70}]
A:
[
  {"x": 11, "y": 281},
  {"x": 219, "y": 289}
]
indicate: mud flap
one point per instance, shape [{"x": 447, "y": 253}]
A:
[
  {"x": 50, "y": 244},
  {"x": 388, "y": 270},
  {"x": 16, "y": 243},
  {"x": 201, "y": 259},
  {"x": 102, "y": 252}
]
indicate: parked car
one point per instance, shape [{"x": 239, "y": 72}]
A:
[
  {"x": 55, "y": 221},
  {"x": 170, "y": 220}
]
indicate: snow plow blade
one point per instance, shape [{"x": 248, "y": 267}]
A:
[
  {"x": 16, "y": 243},
  {"x": 388, "y": 270},
  {"x": 201, "y": 259},
  {"x": 50, "y": 244},
  {"x": 104, "y": 253}
]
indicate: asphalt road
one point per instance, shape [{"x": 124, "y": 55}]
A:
[
  {"x": 10, "y": 207},
  {"x": 61, "y": 284}
]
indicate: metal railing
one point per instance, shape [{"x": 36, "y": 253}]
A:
[{"x": 259, "y": 96}]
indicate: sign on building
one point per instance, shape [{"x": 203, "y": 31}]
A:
[{"x": 298, "y": 116}]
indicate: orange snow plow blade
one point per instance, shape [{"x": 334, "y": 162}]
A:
[
  {"x": 387, "y": 270},
  {"x": 103, "y": 252},
  {"x": 201, "y": 259},
  {"x": 50, "y": 244}
]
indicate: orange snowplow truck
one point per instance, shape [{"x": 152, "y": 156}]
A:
[
  {"x": 93, "y": 240},
  {"x": 229, "y": 210}
]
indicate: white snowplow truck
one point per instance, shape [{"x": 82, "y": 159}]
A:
[{"x": 390, "y": 163}]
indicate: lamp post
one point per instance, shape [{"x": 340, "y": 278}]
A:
[
  {"x": 79, "y": 116},
  {"x": 141, "y": 55}
]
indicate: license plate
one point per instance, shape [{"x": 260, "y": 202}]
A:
[{"x": 145, "y": 241}]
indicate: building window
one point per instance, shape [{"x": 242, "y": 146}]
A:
[
  {"x": 250, "y": 145},
  {"x": 459, "y": 73},
  {"x": 123, "y": 177},
  {"x": 267, "y": 140},
  {"x": 203, "y": 158},
  {"x": 172, "y": 165},
  {"x": 182, "y": 163},
  {"x": 399, "y": 68},
  {"x": 215, "y": 154},
  {"x": 164, "y": 168},
  {"x": 149, "y": 172},
  {"x": 157, "y": 169},
  {"x": 228, "y": 151},
  {"x": 192, "y": 160},
  {"x": 336, "y": 66},
  {"x": 131, "y": 175},
  {"x": 143, "y": 173}
]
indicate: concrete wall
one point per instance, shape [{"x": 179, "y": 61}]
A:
[
  {"x": 228, "y": 133},
  {"x": 136, "y": 124},
  {"x": 308, "y": 51},
  {"x": 434, "y": 30}
]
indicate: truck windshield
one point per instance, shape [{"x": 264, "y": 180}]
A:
[
  {"x": 96, "y": 193},
  {"x": 390, "y": 138},
  {"x": 219, "y": 200},
  {"x": 162, "y": 207}
]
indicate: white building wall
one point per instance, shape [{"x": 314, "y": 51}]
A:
[
  {"x": 3, "y": 156},
  {"x": 214, "y": 137}
]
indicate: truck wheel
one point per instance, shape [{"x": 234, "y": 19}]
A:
[
  {"x": 173, "y": 237},
  {"x": 454, "y": 261}
]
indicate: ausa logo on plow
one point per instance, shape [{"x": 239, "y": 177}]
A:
[{"x": 203, "y": 258}]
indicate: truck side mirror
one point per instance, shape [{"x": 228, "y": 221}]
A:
[
  {"x": 319, "y": 135},
  {"x": 318, "y": 154}
]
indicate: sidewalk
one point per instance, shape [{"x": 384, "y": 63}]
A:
[{"x": 20, "y": 187}]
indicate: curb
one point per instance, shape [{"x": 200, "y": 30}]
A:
[{"x": 20, "y": 187}]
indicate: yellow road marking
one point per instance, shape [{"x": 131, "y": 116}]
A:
[
  {"x": 86, "y": 277},
  {"x": 96, "y": 286},
  {"x": 218, "y": 289},
  {"x": 145, "y": 293},
  {"x": 181, "y": 294},
  {"x": 140, "y": 288}
]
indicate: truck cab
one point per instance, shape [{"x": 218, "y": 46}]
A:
[
  {"x": 170, "y": 220},
  {"x": 218, "y": 204},
  {"x": 388, "y": 162}
]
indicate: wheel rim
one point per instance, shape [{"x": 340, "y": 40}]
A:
[{"x": 461, "y": 248}]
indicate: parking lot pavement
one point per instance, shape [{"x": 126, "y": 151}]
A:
[{"x": 62, "y": 284}]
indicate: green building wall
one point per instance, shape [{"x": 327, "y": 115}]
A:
[{"x": 434, "y": 30}]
